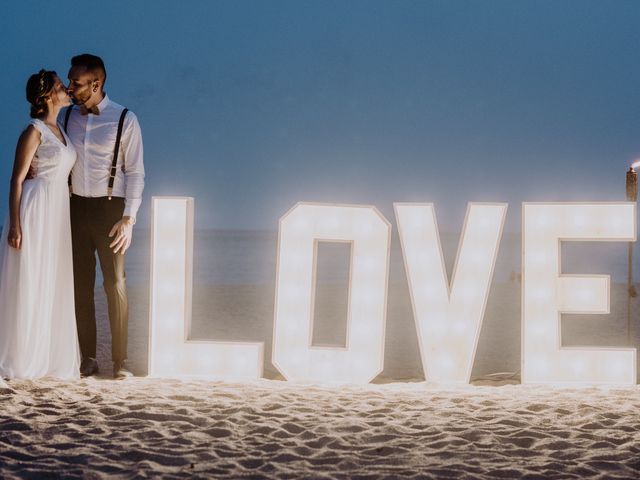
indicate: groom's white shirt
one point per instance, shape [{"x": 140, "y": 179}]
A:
[{"x": 94, "y": 138}]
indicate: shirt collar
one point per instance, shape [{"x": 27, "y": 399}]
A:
[{"x": 103, "y": 103}]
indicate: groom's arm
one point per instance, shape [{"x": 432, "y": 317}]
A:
[{"x": 132, "y": 149}]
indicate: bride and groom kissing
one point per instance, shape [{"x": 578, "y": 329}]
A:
[{"x": 76, "y": 187}]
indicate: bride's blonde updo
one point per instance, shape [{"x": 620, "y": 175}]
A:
[{"x": 39, "y": 87}]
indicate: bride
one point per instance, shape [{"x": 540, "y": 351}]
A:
[{"x": 38, "y": 334}]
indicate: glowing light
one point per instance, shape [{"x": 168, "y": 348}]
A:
[
  {"x": 544, "y": 360},
  {"x": 448, "y": 319},
  {"x": 293, "y": 354},
  {"x": 171, "y": 352},
  {"x": 635, "y": 164}
]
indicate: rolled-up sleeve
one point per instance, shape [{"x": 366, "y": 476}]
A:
[{"x": 133, "y": 165}]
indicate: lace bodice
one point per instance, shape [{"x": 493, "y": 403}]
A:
[{"x": 53, "y": 159}]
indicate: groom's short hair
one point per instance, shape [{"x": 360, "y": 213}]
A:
[{"x": 91, "y": 63}]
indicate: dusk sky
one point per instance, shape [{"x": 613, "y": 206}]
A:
[{"x": 252, "y": 106}]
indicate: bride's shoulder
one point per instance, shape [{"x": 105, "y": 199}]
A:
[
  {"x": 37, "y": 125},
  {"x": 32, "y": 133}
]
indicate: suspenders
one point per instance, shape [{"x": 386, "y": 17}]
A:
[{"x": 116, "y": 149}]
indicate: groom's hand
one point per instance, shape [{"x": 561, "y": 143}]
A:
[{"x": 123, "y": 231}]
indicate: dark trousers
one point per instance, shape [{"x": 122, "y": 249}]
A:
[{"x": 91, "y": 222}]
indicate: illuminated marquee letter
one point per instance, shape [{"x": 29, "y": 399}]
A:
[
  {"x": 171, "y": 352},
  {"x": 546, "y": 293},
  {"x": 293, "y": 352},
  {"x": 448, "y": 319}
]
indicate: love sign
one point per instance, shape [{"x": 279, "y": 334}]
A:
[{"x": 448, "y": 314}]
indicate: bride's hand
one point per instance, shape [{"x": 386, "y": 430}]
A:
[{"x": 15, "y": 237}]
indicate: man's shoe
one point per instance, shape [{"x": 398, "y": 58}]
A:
[
  {"x": 120, "y": 371},
  {"x": 88, "y": 367}
]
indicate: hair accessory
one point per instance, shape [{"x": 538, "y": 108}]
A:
[{"x": 42, "y": 73}]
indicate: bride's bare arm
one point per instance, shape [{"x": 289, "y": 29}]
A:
[{"x": 26, "y": 149}]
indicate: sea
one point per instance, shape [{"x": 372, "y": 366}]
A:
[
  {"x": 234, "y": 276},
  {"x": 246, "y": 257}
]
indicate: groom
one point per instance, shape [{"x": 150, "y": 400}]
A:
[{"x": 106, "y": 184}]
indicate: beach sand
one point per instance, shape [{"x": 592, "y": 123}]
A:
[
  {"x": 98, "y": 428},
  {"x": 397, "y": 427}
]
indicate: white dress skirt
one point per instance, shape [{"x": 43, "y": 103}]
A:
[{"x": 38, "y": 335}]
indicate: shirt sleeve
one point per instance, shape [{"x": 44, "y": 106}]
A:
[{"x": 133, "y": 165}]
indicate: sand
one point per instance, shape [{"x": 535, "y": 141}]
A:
[{"x": 99, "y": 428}]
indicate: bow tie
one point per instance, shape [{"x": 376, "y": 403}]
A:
[{"x": 84, "y": 110}]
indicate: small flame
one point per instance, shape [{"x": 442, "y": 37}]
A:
[{"x": 635, "y": 165}]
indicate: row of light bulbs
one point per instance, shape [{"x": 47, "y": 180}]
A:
[{"x": 448, "y": 314}]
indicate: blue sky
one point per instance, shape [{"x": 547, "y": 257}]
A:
[{"x": 253, "y": 106}]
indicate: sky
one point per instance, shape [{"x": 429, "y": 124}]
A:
[{"x": 252, "y": 106}]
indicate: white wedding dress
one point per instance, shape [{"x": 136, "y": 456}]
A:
[{"x": 38, "y": 335}]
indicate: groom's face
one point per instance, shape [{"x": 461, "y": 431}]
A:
[{"x": 81, "y": 85}]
